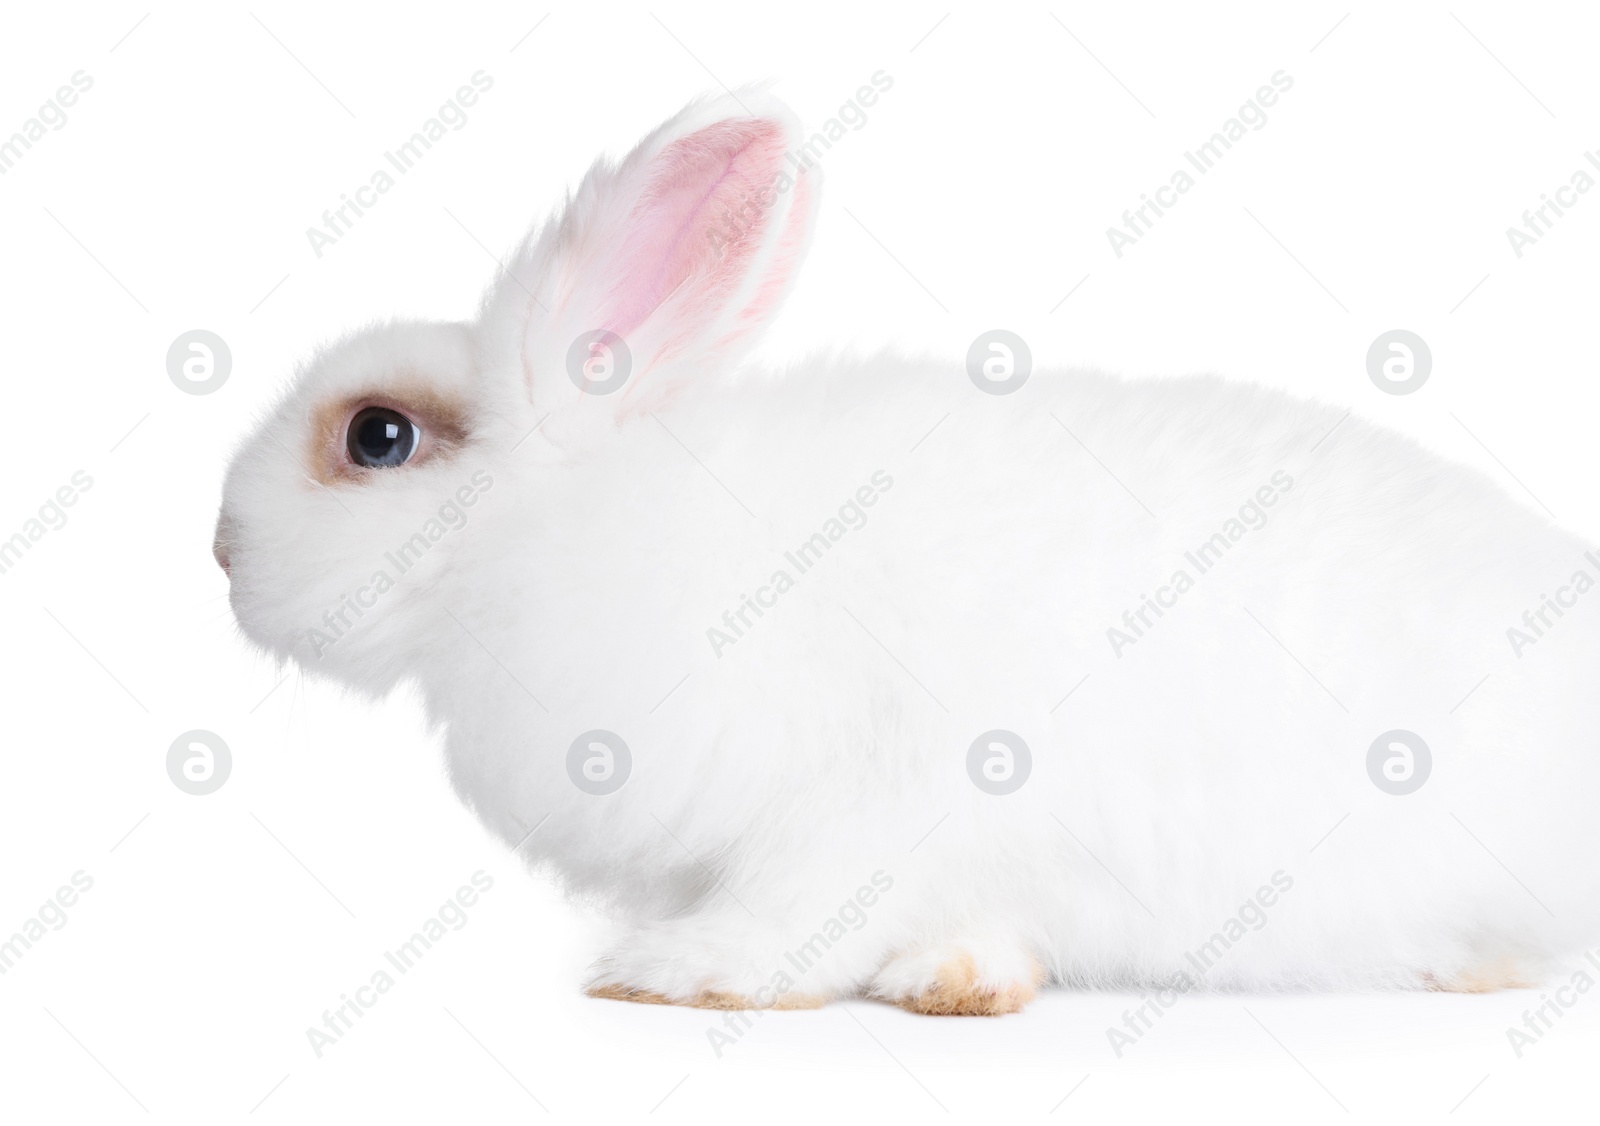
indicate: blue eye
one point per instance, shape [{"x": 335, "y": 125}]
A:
[{"x": 381, "y": 438}]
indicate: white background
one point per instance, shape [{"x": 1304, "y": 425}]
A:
[{"x": 976, "y": 196}]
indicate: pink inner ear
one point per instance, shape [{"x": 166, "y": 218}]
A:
[
  {"x": 781, "y": 272},
  {"x": 699, "y": 220}
]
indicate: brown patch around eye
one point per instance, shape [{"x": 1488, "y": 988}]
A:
[{"x": 444, "y": 422}]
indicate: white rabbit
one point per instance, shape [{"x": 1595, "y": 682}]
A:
[{"x": 746, "y": 655}]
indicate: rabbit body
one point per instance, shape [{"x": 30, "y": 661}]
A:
[{"x": 827, "y": 739}]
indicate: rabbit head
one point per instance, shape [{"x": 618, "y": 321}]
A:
[{"x": 357, "y": 497}]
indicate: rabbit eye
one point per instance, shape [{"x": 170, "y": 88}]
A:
[{"x": 380, "y": 438}]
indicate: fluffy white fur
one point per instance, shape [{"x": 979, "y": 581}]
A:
[{"x": 829, "y": 742}]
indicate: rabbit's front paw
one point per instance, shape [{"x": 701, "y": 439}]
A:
[
  {"x": 689, "y": 962},
  {"x": 977, "y": 978},
  {"x": 1485, "y": 977},
  {"x": 708, "y": 998}
]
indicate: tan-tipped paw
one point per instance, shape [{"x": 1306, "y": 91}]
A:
[
  {"x": 958, "y": 989},
  {"x": 709, "y": 999},
  {"x": 1489, "y": 977}
]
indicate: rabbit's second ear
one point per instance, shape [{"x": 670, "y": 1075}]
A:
[{"x": 665, "y": 265}]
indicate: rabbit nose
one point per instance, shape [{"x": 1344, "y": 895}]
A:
[{"x": 219, "y": 546}]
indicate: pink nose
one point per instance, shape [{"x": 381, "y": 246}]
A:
[{"x": 219, "y": 544}]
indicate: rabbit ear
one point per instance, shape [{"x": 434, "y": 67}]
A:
[{"x": 665, "y": 264}]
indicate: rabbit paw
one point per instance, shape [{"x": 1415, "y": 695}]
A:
[
  {"x": 960, "y": 979},
  {"x": 709, "y": 998},
  {"x": 687, "y": 963},
  {"x": 1486, "y": 977}
]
